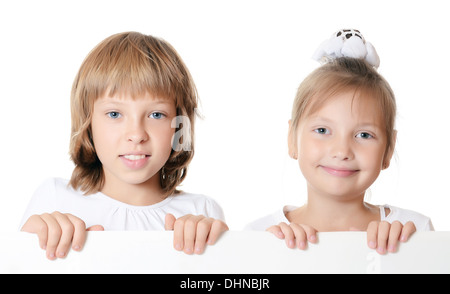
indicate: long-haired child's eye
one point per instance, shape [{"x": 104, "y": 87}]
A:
[
  {"x": 322, "y": 131},
  {"x": 113, "y": 114},
  {"x": 364, "y": 135},
  {"x": 157, "y": 115}
]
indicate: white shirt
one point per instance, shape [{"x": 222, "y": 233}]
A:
[
  {"x": 421, "y": 222},
  {"x": 99, "y": 209}
]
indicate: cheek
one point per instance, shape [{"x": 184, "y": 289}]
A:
[
  {"x": 105, "y": 138},
  {"x": 310, "y": 153},
  {"x": 310, "y": 149},
  {"x": 100, "y": 140},
  {"x": 371, "y": 158},
  {"x": 162, "y": 137}
]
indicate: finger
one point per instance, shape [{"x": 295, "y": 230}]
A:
[
  {"x": 169, "y": 222},
  {"x": 178, "y": 233},
  {"x": 95, "y": 228},
  {"x": 300, "y": 236},
  {"x": 79, "y": 233},
  {"x": 67, "y": 233},
  {"x": 36, "y": 225},
  {"x": 394, "y": 235},
  {"x": 217, "y": 229},
  {"x": 408, "y": 229},
  {"x": 289, "y": 235},
  {"x": 276, "y": 230},
  {"x": 190, "y": 232},
  {"x": 310, "y": 233},
  {"x": 372, "y": 232},
  {"x": 54, "y": 235},
  {"x": 382, "y": 237},
  {"x": 203, "y": 230}
]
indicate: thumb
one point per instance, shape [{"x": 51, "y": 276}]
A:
[
  {"x": 169, "y": 222},
  {"x": 96, "y": 228},
  {"x": 355, "y": 229}
]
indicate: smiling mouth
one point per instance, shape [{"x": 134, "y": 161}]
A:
[
  {"x": 135, "y": 161},
  {"x": 134, "y": 157},
  {"x": 339, "y": 172}
]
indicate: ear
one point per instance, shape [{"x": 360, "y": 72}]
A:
[
  {"x": 390, "y": 152},
  {"x": 292, "y": 142}
]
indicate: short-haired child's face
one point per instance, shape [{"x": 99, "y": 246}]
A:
[
  {"x": 132, "y": 138},
  {"x": 341, "y": 146}
]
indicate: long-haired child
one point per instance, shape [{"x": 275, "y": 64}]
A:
[{"x": 133, "y": 106}]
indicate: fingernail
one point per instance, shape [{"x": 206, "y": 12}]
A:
[
  {"x": 61, "y": 254},
  {"x": 403, "y": 238},
  {"x": 178, "y": 246},
  {"x": 381, "y": 250},
  {"x": 76, "y": 247},
  {"x": 372, "y": 244},
  {"x": 391, "y": 248},
  {"x": 302, "y": 245},
  {"x": 312, "y": 238},
  {"x": 291, "y": 243}
]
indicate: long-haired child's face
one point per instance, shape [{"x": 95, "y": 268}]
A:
[
  {"x": 132, "y": 137},
  {"x": 341, "y": 147}
]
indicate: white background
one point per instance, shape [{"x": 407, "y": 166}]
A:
[{"x": 247, "y": 59}]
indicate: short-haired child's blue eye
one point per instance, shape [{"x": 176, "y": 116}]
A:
[
  {"x": 113, "y": 114},
  {"x": 322, "y": 131},
  {"x": 364, "y": 135}
]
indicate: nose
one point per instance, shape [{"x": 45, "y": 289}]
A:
[
  {"x": 341, "y": 148},
  {"x": 136, "y": 132}
]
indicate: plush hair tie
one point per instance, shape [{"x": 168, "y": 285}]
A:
[{"x": 347, "y": 43}]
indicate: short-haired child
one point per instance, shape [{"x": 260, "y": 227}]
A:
[{"x": 342, "y": 134}]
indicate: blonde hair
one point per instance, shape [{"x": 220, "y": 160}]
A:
[
  {"x": 340, "y": 75},
  {"x": 133, "y": 64}
]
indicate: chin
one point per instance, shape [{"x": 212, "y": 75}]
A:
[{"x": 140, "y": 179}]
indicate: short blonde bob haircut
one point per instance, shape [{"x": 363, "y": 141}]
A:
[
  {"x": 134, "y": 64},
  {"x": 342, "y": 75}
]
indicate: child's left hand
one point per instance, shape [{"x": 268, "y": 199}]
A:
[
  {"x": 193, "y": 232},
  {"x": 384, "y": 236}
]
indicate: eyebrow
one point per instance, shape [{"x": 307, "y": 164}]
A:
[
  {"x": 319, "y": 119},
  {"x": 360, "y": 124}
]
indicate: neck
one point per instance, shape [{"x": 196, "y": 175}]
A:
[
  {"x": 141, "y": 194},
  {"x": 333, "y": 213}
]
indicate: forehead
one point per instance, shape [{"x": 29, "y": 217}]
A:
[
  {"x": 355, "y": 98},
  {"x": 345, "y": 106}
]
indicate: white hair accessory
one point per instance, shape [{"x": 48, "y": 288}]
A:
[{"x": 347, "y": 43}]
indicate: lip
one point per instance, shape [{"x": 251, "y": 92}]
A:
[
  {"x": 339, "y": 171},
  {"x": 135, "y": 160}
]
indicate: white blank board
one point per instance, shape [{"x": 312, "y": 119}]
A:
[{"x": 236, "y": 252}]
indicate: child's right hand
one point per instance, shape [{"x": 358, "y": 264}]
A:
[
  {"x": 295, "y": 235},
  {"x": 57, "y": 231}
]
